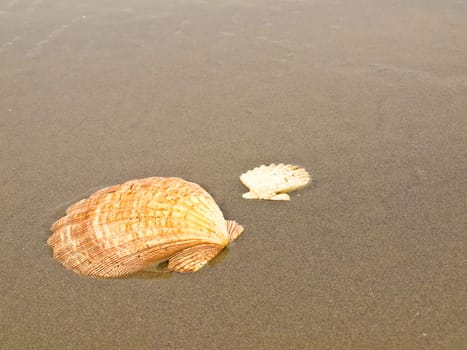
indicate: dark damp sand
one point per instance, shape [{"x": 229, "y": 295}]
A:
[{"x": 372, "y": 98}]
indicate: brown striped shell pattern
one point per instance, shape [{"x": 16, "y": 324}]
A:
[{"x": 125, "y": 228}]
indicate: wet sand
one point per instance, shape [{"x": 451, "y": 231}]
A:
[{"x": 370, "y": 97}]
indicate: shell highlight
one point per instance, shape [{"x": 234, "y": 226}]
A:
[
  {"x": 122, "y": 229},
  {"x": 274, "y": 181}
]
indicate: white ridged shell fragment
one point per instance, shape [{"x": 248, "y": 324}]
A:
[
  {"x": 274, "y": 181},
  {"x": 122, "y": 229}
]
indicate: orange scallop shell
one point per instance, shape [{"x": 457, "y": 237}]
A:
[{"x": 125, "y": 228}]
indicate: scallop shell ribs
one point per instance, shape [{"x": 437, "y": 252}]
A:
[
  {"x": 273, "y": 181},
  {"x": 125, "y": 228}
]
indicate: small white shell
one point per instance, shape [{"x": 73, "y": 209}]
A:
[{"x": 273, "y": 181}]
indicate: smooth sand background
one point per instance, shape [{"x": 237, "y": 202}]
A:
[{"x": 370, "y": 96}]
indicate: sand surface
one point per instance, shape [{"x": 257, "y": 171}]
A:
[{"x": 371, "y": 97}]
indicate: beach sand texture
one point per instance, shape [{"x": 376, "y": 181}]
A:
[{"x": 369, "y": 96}]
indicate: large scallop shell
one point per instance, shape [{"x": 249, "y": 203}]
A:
[
  {"x": 273, "y": 181},
  {"x": 122, "y": 229}
]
